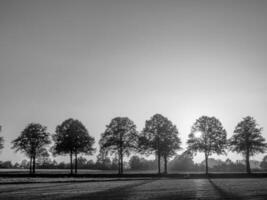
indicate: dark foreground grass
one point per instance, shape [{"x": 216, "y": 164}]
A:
[
  {"x": 135, "y": 175},
  {"x": 146, "y": 188}
]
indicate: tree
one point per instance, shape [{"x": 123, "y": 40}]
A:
[
  {"x": 183, "y": 162},
  {"x": 135, "y": 163},
  {"x": 31, "y": 142},
  {"x": 161, "y": 137},
  {"x": 24, "y": 164},
  {"x": 81, "y": 162},
  {"x": 120, "y": 138},
  {"x": 103, "y": 161},
  {"x": 6, "y": 164},
  {"x": 1, "y": 140},
  {"x": 72, "y": 138},
  {"x": 43, "y": 159},
  {"x": 247, "y": 139},
  {"x": 264, "y": 163},
  {"x": 170, "y": 143},
  {"x": 1, "y": 143},
  {"x": 208, "y": 136}
]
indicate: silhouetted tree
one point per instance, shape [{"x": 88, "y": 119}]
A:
[
  {"x": 1, "y": 140},
  {"x": 81, "y": 162},
  {"x": 161, "y": 137},
  {"x": 135, "y": 163},
  {"x": 120, "y": 137},
  {"x": 25, "y": 164},
  {"x": 6, "y": 164},
  {"x": 43, "y": 158},
  {"x": 183, "y": 162},
  {"x": 103, "y": 161},
  {"x": 72, "y": 138},
  {"x": 31, "y": 142},
  {"x": 247, "y": 139},
  {"x": 170, "y": 143},
  {"x": 264, "y": 163},
  {"x": 212, "y": 138}
]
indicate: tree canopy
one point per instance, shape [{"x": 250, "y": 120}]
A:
[
  {"x": 160, "y": 136},
  {"x": 120, "y": 137},
  {"x": 248, "y": 139},
  {"x": 72, "y": 138},
  {"x": 208, "y": 136},
  {"x": 1, "y": 140},
  {"x": 31, "y": 142},
  {"x": 183, "y": 162},
  {"x": 263, "y": 164},
  {"x": 1, "y": 143}
]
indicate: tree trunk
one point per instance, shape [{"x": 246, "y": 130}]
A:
[
  {"x": 165, "y": 164},
  {"x": 121, "y": 164},
  {"x": 158, "y": 148},
  {"x": 76, "y": 164},
  {"x": 30, "y": 164},
  {"x": 120, "y": 156},
  {"x": 206, "y": 161},
  {"x": 71, "y": 170},
  {"x": 33, "y": 165},
  {"x": 158, "y": 163},
  {"x": 248, "y": 163}
]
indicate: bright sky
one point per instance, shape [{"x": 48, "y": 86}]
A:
[{"x": 95, "y": 60}]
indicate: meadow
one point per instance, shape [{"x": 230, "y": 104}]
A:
[
  {"x": 106, "y": 184},
  {"x": 132, "y": 188}
]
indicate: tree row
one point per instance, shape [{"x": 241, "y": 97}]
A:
[{"x": 159, "y": 137}]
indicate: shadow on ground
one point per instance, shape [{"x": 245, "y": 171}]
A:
[
  {"x": 118, "y": 193},
  {"x": 73, "y": 181},
  {"x": 223, "y": 193},
  {"x": 128, "y": 192}
]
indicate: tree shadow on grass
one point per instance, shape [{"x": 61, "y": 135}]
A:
[
  {"x": 223, "y": 193},
  {"x": 73, "y": 181},
  {"x": 175, "y": 196},
  {"x": 118, "y": 193},
  {"x": 32, "y": 188}
]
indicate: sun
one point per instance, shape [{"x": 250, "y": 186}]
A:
[{"x": 197, "y": 134}]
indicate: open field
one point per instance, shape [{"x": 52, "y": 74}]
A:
[
  {"x": 85, "y": 173},
  {"x": 92, "y": 171},
  {"x": 146, "y": 188},
  {"x": 80, "y": 171}
]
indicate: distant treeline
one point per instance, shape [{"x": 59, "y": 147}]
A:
[
  {"x": 180, "y": 163},
  {"x": 159, "y": 137}
]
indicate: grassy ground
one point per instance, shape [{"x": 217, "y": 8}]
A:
[
  {"x": 67, "y": 171},
  {"x": 157, "y": 188},
  {"x": 56, "y": 171},
  {"x": 89, "y": 171}
]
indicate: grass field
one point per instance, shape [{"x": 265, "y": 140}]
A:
[
  {"x": 89, "y": 171},
  {"x": 67, "y": 171},
  {"x": 126, "y": 188}
]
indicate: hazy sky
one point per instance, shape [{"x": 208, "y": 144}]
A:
[{"x": 95, "y": 60}]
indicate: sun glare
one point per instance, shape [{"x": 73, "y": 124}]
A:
[{"x": 198, "y": 134}]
